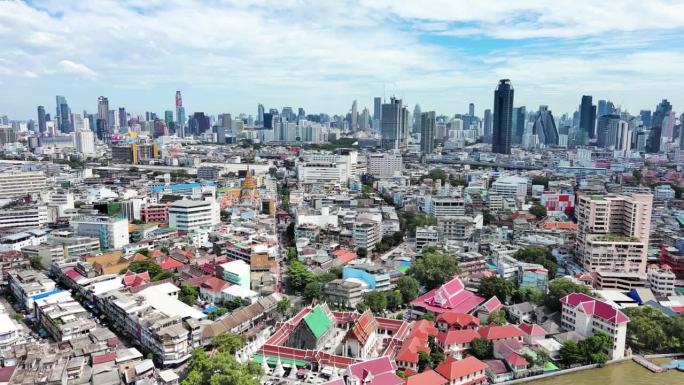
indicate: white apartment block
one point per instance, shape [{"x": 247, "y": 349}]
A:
[
  {"x": 661, "y": 281},
  {"x": 587, "y": 316},
  {"x": 613, "y": 232},
  {"x": 425, "y": 236},
  {"x": 327, "y": 168},
  {"x": 384, "y": 165},
  {"x": 14, "y": 184},
  {"x": 23, "y": 216},
  {"x": 190, "y": 216},
  {"x": 459, "y": 227},
  {"x": 85, "y": 142},
  {"x": 510, "y": 186},
  {"x": 112, "y": 232},
  {"x": 443, "y": 206},
  {"x": 367, "y": 234}
]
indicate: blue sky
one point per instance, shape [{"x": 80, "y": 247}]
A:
[{"x": 227, "y": 56}]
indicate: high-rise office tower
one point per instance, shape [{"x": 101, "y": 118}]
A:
[
  {"x": 471, "y": 109},
  {"x": 645, "y": 118},
  {"x": 354, "y": 124},
  {"x": 260, "y": 115},
  {"x": 364, "y": 118},
  {"x": 224, "y": 126},
  {"x": 301, "y": 114},
  {"x": 518, "y": 123},
  {"x": 487, "y": 125},
  {"x": 180, "y": 115},
  {"x": 42, "y": 127},
  {"x": 602, "y": 108},
  {"x": 377, "y": 108},
  {"x": 288, "y": 114},
  {"x": 394, "y": 121},
  {"x": 123, "y": 119},
  {"x": 659, "y": 114},
  {"x": 417, "y": 118},
  {"x": 427, "y": 132},
  {"x": 606, "y": 130},
  {"x": 545, "y": 127},
  {"x": 63, "y": 114},
  {"x": 85, "y": 141},
  {"x": 103, "y": 110},
  {"x": 503, "y": 115},
  {"x": 587, "y": 119}
]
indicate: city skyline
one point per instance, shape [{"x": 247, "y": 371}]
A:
[{"x": 139, "y": 55}]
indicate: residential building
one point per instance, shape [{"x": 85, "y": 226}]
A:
[
  {"x": 14, "y": 184},
  {"x": 343, "y": 292},
  {"x": 137, "y": 153},
  {"x": 23, "y": 216},
  {"x": 586, "y": 315},
  {"x": 661, "y": 281},
  {"x": 112, "y": 232},
  {"x": 367, "y": 233},
  {"x": 468, "y": 371},
  {"x": 189, "y": 216},
  {"x": 613, "y": 232},
  {"x": 29, "y": 285},
  {"x": 442, "y": 206},
  {"x": 425, "y": 236},
  {"x": 383, "y": 165},
  {"x": 236, "y": 272},
  {"x": 510, "y": 186},
  {"x": 62, "y": 317}
]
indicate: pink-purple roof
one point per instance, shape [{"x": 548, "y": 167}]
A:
[
  {"x": 450, "y": 296},
  {"x": 594, "y": 307},
  {"x": 376, "y": 367},
  {"x": 492, "y": 304},
  {"x": 532, "y": 330}
]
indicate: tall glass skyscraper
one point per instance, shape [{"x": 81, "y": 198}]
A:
[
  {"x": 427, "y": 132},
  {"x": 42, "y": 126},
  {"x": 503, "y": 115},
  {"x": 587, "y": 119}
]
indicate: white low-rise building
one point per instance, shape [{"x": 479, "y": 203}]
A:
[{"x": 661, "y": 280}]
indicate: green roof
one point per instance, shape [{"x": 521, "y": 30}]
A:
[
  {"x": 679, "y": 290},
  {"x": 549, "y": 367},
  {"x": 598, "y": 197},
  {"x": 271, "y": 360},
  {"x": 318, "y": 322},
  {"x": 680, "y": 219}
]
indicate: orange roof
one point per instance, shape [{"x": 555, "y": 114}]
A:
[
  {"x": 495, "y": 332},
  {"x": 457, "y": 336},
  {"x": 452, "y": 369},
  {"x": 416, "y": 341},
  {"x": 460, "y": 319},
  {"x": 363, "y": 328},
  {"x": 214, "y": 284},
  {"x": 170, "y": 263},
  {"x": 553, "y": 225},
  {"x": 344, "y": 256}
]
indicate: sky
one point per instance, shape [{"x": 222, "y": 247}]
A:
[{"x": 228, "y": 56}]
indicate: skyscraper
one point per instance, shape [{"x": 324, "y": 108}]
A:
[
  {"x": 587, "y": 119},
  {"x": 503, "y": 115},
  {"x": 224, "y": 127},
  {"x": 63, "y": 114},
  {"x": 427, "y": 132},
  {"x": 659, "y": 114},
  {"x": 123, "y": 119},
  {"x": 180, "y": 115},
  {"x": 487, "y": 125},
  {"x": 377, "y": 108},
  {"x": 354, "y": 124},
  {"x": 645, "y": 118},
  {"x": 471, "y": 109},
  {"x": 417, "y": 118},
  {"x": 260, "y": 115},
  {"x": 518, "y": 122},
  {"x": 102, "y": 129},
  {"x": 42, "y": 126},
  {"x": 394, "y": 121},
  {"x": 545, "y": 127}
]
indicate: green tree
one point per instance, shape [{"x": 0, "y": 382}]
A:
[
  {"x": 570, "y": 353},
  {"x": 528, "y": 294},
  {"x": 327, "y": 277},
  {"x": 539, "y": 255},
  {"x": 312, "y": 290},
  {"x": 394, "y": 299},
  {"x": 361, "y": 253},
  {"x": 540, "y": 180},
  {"x": 155, "y": 272},
  {"x": 145, "y": 251},
  {"x": 424, "y": 361},
  {"x": 221, "y": 368},
  {"x": 376, "y": 300},
  {"x": 433, "y": 269},
  {"x": 228, "y": 342},
  {"x": 651, "y": 330},
  {"x": 559, "y": 288},
  {"x": 500, "y": 287},
  {"x": 538, "y": 211},
  {"x": 409, "y": 288},
  {"x": 188, "y": 294},
  {"x": 283, "y": 306},
  {"x": 437, "y": 173},
  {"x": 217, "y": 313},
  {"x": 291, "y": 253},
  {"x": 497, "y": 317},
  {"x": 299, "y": 275},
  {"x": 637, "y": 175},
  {"x": 481, "y": 348}
]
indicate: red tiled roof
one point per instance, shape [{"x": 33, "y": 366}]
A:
[
  {"x": 492, "y": 304},
  {"x": 382, "y": 369},
  {"x": 457, "y": 336},
  {"x": 170, "y": 264},
  {"x": 532, "y": 329},
  {"x": 112, "y": 342},
  {"x": 109, "y": 357},
  {"x": 417, "y": 341},
  {"x": 214, "y": 284},
  {"x": 452, "y": 369},
  {"x": 428, "y": 377},
  {"x": 363, "y": 328},
  {"x": 6, "y": 373},
  {"x": 515, "y": 359},
  {"x": 496, "y": 332},
  {"x": 461, "y": 319},
  {"x": 135, "y": 279},
  {"x": 594, "y": 307},
  {"x": 344, "y": 256}
]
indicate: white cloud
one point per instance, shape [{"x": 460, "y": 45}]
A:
[{"x": 68, "y": 67}]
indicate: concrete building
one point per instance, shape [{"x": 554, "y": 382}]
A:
[
  {"x": 459, "y": 227},
  {"x": 586, "y": 315},
  {"x": 62, "y": 317},
  {"x": 440, "y": 206},
  {"x": 85, "y": 142},
  {"x": 367, "y": 233},
  {"x": 510, "y": 186},
  {"x": 56, "y": 248},
  {"x": 321, "y": 168},
  {"x": 189, "y": 216},
  {"x": 112, "y": 232},
  {"x": 23, "y": 216},
  {"x": 28, "y": 285},
  {"x": 236, "y": 272},
  {"x": 425, "y": 236},
  {"x": 14, "y": 184},
  {"x": 343, "y": 292},
  {"x": 613, "y": 232},
  {"x": 384, "y": 165},
  {"x": 661, "y": 280}
]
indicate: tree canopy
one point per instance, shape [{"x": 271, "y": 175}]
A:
[
  {"x": 221, "y": 368},
  {"x": 156, "y": 273},
  {"x": 500, "y": 287},
  {"x": 538, "y": 211},
  {"x": 559, "y": 288},
  {"x": 650, "y": 330},
  {"x": 299, "y": 275},
  {"x": 409, "y": 288},
  {"x": 539, "y": 255},
  {"x": 432, "y": 269},
  {"x": 482, "y": 348},
  {"x": 497, "y": 317}
]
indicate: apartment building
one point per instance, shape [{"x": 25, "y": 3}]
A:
[
  {"x": 344, "y": 292},
  {"x": 367, "y": 233},
  {"x": 155, "y": 213},
  {"x": 323, "y": 168},
  {"x": 459, "y": 227},
  {"x": 56, "y": 248},
  {"x": 587, "y": 315},
  {"x": 443, "y": 206},
  {"x": 112, "y": 232},
  {"x": 383, "y": 165},
  {"x": 426, "y": 235},
  {"x": 23, "y": 216},
  {"x": 14, "y": 184},
  {"x": 62, "y": 317},
  {"x": 661, "y": 280},
  {"x": 189, "y": 216},
  {"x": 28, "y": 285},
  {"x": 510, "y": 186},
  {"x": 613, "y": 232}
]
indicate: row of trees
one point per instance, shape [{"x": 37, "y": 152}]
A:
[
  {"x": 508, "y": 291},
  {"x": 651, "y": 330}
]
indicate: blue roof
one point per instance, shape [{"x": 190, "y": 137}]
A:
[
  {"x": 181, "y": 186},
  {"x": 46, "y": 294}
]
